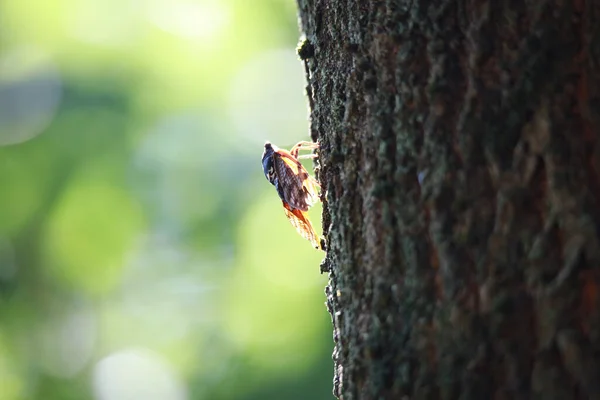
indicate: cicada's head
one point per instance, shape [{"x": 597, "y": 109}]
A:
[{"x": 268, "y": 162}]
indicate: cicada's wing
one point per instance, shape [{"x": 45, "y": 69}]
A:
[
  {"x": 311, "y": 187},
  {"x": 300, "y": 190},
  {"x": 299, "y": 219}
]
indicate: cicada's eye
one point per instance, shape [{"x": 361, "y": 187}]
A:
[
  {"x": 268, "y": 163},
  {"x": 269, "y": 169},
  {"x": 271, "y": 173}
]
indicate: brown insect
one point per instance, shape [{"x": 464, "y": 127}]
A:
[{"x": 296, "y": 188}]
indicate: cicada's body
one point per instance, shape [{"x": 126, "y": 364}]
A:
[{"x": 296, "y": 188}]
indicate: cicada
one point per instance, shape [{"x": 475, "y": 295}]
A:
[{"x": 297, "y": 190}]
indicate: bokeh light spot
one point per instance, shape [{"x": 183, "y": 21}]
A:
[
  {"x": 90, "y": 233},
  {"x": 192, "y": 19},
  {"x": 30, "y": 91},
  {"x": 134, "y": 374}
]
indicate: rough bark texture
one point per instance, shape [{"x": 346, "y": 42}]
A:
[{"x": 460, "y": 162}]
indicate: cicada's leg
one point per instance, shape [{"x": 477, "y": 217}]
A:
[
  {"x": 305, "y": 156},
  {"x": 303, "y": 146}
]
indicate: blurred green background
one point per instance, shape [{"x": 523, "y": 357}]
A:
[{"x": 143, "y": 255}]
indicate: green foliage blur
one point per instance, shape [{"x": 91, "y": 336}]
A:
[{"x": 143, "y": 255}]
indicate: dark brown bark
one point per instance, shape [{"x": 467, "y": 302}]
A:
[{"x": 460, "y": 168}]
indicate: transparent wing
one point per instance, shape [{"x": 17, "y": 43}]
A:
[{"x": 299, "y": 219}]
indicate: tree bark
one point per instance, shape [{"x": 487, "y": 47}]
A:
[{"x": 460, "y": 166}]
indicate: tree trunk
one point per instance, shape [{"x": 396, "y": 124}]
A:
[{"x": 460, "y": 166}]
